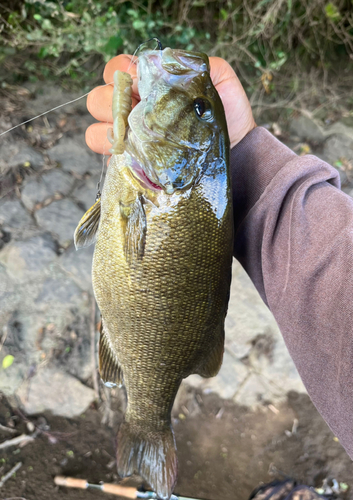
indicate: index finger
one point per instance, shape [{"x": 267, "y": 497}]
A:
[{"x": 122, "y": 63}]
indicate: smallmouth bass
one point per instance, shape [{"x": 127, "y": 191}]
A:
[{"x": 162, "y": 262}]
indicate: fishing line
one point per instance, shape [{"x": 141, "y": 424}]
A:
[
  {"x": 58, "y": 107},
  {"x": 132, "y": 61},
  {"x": 99, "y": 194},
  {"x": 141, "y": 46},
  {"x": 52, "y": 109}
]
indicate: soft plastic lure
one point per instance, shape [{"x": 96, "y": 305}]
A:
[{"x": 121, "y": 109}]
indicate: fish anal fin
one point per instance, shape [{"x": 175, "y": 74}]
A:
[
  {"x": 86, "y": 230},
  {"x": 152, "y": 454},
  {"x": 211, "y": 363},
  {"x": 135, "y": 227},
  {"x": 109, "y": 368}
]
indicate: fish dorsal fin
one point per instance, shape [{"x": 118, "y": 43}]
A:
[
  {"x": 135, "y": 226},
  {"x": 86, "y": 230},
  {"x": 109, "y": 368}
]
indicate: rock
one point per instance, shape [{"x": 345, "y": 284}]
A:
[
  {"x": 59, "y": 291},
  {"x": 9, "y": 296},
  {"x": 247, "y": 316},
  {"x": 257, "y": 390},
  {"x": 61, "y": 218},
  {"x": 51, "y": 183},
  {"x": 55, "y": 328},
  {"x": 13, "y": 261},
  {"x": 22, "y": 342},
  {"x": 5, "y": 237},
  {"x": 280, "y": 370},
  {"x": 255, "y": 357},
  {"x": 13, "y": 377},
  {"x": 340, "y": 128},
  {"x": 339, "y": 146},
  {"x": 4, "y": 282},
  {"x": 73, "y": 348},
  {"x": 13, "y": 215},
  {"x": 28, "y": 157},
  {"x": 307, "y": 129},
  {"x": 8, "y": 149},
  {"x": 58, "y": 181},
  {"x": 87, "y": 191},
  {"x": 78, "y": 263},
  {"x": 55, "y": 391},
  {"x": 35, "y": 191},
  {"x": 49, "y": 96},
  {"x": 228, "y": 381},
  {"x": 32, "y": 254},
  {"x": 74, "y": 156},
  {"x": 79, "y": 363}
]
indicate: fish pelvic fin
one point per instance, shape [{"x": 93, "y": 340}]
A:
[
  {"x": 152, "y": 454},
  {"x": 109, "y": 368},
  {"x": 86, "y": 231},
  {"x": 134, "y": 217},
  {"x": 211, "y": 364}
]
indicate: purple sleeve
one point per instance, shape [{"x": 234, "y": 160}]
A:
[{"x": 294, "y": 237}]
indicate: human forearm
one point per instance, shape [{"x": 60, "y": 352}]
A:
[{"x": 293, "y": 235}]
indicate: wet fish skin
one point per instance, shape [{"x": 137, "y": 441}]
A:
[{"x": 162, "y": 263}]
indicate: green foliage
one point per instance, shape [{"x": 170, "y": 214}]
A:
[
  {"x": 71, "y": 40},
  {"x": 66, "y": 36},
  {"x": 332, "y": 12}
]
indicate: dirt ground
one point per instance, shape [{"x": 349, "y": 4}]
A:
[{"x": 224, "y": 450}]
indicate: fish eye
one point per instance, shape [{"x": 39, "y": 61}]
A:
[{"x": 203, "y": 109}]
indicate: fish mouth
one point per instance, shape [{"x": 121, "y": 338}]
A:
[
  {"x": 157, "y": 71},
  {"x": 141, "y": 175}
]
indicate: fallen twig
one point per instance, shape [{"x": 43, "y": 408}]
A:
[
  {"x": 17, "y": 440},
  {"x": 10, "y": 474},
  {"x": 7, "y": 429},
  {"x": 53, "y": 436}
]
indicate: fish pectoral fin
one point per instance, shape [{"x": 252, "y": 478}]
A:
[
  {"x": 135, "y": 226},
  {"x": 86, "y": 230},
  {"x": 210, "y": 365},
  {"x": 109, "y": 368}
]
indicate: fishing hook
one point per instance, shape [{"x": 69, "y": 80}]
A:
[{"x": 159, "y": 43}]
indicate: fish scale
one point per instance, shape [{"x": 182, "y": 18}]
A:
[{"x": 162, "y": 262}]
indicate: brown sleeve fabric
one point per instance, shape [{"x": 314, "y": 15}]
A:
[{"x": 294, "y": 237}]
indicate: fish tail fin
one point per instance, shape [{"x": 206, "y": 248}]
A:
[{"x": 150, "y": 453}]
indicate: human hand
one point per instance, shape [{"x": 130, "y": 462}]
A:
[{"x": 237, "y": 108}]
